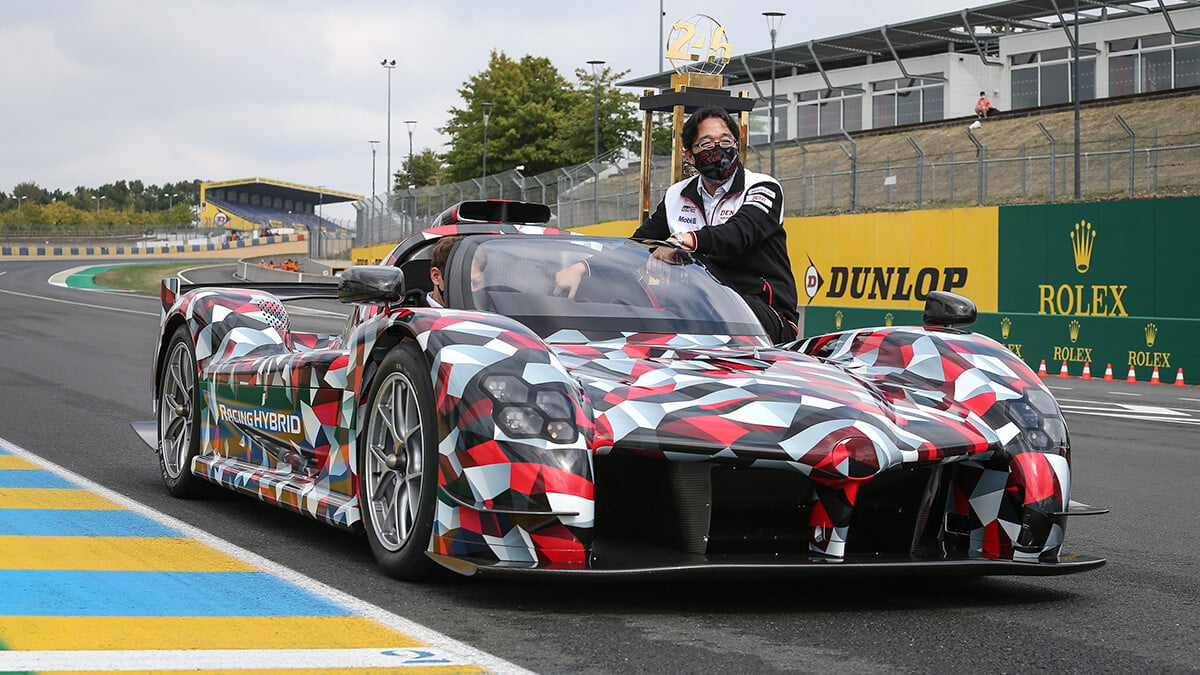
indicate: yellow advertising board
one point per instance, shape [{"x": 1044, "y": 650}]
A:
[{"x": 893, "y": 260}]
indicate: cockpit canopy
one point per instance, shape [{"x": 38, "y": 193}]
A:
[{"x": 624, "y": 288}]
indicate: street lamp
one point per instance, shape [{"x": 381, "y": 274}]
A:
[
  {"x": 98, "y": 198},
  {"x": 374, "y": 144},
  {"x": 390, "y": 65},
  {"x": 412, "y": 178},
  {"x": 1075, "y": 94},
  {"x": 520, "y": 183},
  {"x": 19, "y": 200},
  {"x": 487, "y": 112},
  {"x": 596, "y": 141},
  {"x": 773, "y": 21},
  {"x": 171, "y": 200}
]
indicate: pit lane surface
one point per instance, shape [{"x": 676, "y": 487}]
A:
[{"x": 73, "y": 375}]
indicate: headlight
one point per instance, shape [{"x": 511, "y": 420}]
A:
[
  {"x": 1038, "y": 416},
  {"x": 506, "y": 389},
  {"x": 525, "y": 411},
  {"x": 519, "y": 420},
  {"x": 554, "y": 403}
]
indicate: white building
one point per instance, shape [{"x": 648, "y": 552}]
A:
[{"x": 1019, "y": 52}]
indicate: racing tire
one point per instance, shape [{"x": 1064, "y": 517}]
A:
[
  {"x": 397, "y": 465},
  {"x": 179, "y": 417}
]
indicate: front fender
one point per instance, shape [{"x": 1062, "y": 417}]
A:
[
  {"x": 500, "y": 498},
  {"x": 946, "y": 369},
  {"x": 1011, "y": 506}
]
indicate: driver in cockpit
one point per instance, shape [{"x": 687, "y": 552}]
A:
[{"x": 441, "y": 253}]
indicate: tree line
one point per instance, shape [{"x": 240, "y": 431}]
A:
[{"x": 113, "y": 206}]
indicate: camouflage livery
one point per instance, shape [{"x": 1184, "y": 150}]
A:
[{"x": 656, "y": 451}]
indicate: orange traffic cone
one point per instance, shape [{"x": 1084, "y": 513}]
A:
[
  {"x": 1087, "y": 372},
  {"x": 1179, "y": 379},
  {"x": 1042, "y": 369},
  {"x": 1154, "y": 376},
  {"x": 1108, "y": 375},
  {"x": 1132, "y": 377},
  {"x": 1063, "y": 372}
]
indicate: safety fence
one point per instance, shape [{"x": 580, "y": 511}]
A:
[{"x": 1008, "y": 161}]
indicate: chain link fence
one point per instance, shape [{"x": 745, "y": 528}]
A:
[{"x": 1010, "y": 161}]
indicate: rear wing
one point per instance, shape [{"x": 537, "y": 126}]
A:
[{"x": 172, "y": 287}]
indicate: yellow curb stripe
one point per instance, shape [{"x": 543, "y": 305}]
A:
[
  {"x": 40, "y": 633},
  {"x": 160, "y": 554},
  {"x": 408, "y": 670},
  {"x": 15, "y": 462},
  {"x": 53, "y": 498}
]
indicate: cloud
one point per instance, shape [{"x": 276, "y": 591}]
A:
[{"x": 102, "y": 90}]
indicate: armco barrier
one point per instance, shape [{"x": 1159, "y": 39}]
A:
[{"x": 142, "y": 251}]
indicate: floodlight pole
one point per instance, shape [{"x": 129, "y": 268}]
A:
[
  {"x": 487, "y": 108},
  {"x": 773, "y": 21},
  {"x": 374, "y": 144},
  {"x": 596, "y": 142},
  {"x": 412, "y": 177},
  {"x": 390, "y": 66}
]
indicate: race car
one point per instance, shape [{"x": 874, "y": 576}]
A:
[{"x": 641, "y": 423}]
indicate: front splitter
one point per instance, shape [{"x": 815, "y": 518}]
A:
[{"x": 792, "y": 568}]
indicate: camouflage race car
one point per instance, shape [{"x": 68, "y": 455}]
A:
[{"x": 643, "y": 425}]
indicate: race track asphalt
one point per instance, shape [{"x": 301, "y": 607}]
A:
[{"x": 74, "y": 371}]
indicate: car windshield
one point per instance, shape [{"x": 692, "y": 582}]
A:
[{"x": 623, "y": 289}]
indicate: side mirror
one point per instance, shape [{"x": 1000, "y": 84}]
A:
[
  {"x": 943, "y": 308},
  {"x": 371, "y": 284}
]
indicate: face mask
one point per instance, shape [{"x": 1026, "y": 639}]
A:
[{"x": 716, "y": 163}]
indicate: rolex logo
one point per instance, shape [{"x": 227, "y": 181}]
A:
[
  {"x": 1081, "y": 244},
  {"x": 1151, "y": 334},
  {"x": 888, "y": 319},
  {"x": 1005, "y": 327},
  {"x": 1073, "y": 329},
  {"x": 837, "y": 319}
]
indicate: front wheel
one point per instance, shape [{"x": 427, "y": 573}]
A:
[
  {"x": 178, "y": 417},
  {"x": 397, "y": 465}
]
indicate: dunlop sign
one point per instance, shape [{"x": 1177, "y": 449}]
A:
[{"x": 894, "y": 260}]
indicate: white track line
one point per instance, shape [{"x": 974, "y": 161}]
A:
[{"x": 81, "y": 304}]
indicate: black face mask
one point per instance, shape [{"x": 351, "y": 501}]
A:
[{"x": 716, "y": 163}]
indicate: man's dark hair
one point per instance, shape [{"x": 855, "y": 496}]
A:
[
  {"x": 982, "y": 94},
  {"x": 441, "y": 251},
  {"x": 691, "y": 128}
]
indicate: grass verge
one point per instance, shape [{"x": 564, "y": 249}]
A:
[{"x": 141, "y": 278}]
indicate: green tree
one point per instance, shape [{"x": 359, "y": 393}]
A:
[
  {"x": 619, "y": 123},
  {"x": 528, "y": 99},
  {"x": 426, "y": 170}
]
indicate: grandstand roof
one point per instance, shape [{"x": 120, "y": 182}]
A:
[
  {"x": 276, "y": 188},
  {"x": 975, "y": 30}
]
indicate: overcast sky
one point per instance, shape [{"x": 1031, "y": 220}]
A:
[{"x": 169, "y": 90}]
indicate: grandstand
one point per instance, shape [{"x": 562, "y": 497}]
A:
[{"x": 262, "y": 204}]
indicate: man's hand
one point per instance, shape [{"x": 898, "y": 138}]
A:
[{"x": 566, "y": 281}]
